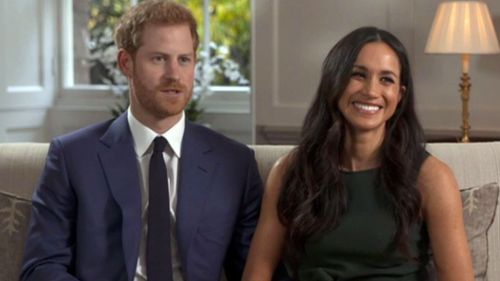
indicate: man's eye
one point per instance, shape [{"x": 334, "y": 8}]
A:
[
  {"x": 158, "y": 59},
  {"x": 185, "y": 60}
]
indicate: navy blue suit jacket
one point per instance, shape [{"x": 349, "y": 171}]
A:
[{"x": 86, "y": 218}]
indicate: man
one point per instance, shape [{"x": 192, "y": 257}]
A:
[{"x": 93, "y": 211}]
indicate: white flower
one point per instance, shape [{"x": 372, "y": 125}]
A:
[{"x": 223, "y": 50}]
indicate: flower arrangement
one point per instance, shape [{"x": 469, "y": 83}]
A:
[{"x": 218, "y": 65}]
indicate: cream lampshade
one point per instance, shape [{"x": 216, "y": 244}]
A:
[{"x": 463, "y": 27}]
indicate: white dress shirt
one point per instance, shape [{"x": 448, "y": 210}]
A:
[{"x": 143, "y": 138}]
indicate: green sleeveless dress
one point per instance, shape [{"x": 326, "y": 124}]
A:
[{"x": 361, "y": 247}]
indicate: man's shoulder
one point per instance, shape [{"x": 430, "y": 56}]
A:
[{"x": 86, "y": 135}]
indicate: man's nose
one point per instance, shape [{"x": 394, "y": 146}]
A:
[{"x": 172, "y": 69}]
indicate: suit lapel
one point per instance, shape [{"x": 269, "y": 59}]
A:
[
  {"x": 195, "y": 170},
  {"x": 119, "y": 163}
]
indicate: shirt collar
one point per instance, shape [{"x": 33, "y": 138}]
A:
[{"x": 144, "y": 136}]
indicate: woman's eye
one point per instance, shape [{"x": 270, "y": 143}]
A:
[
  {"x": 388, "y": 80},
  {"x": 358, "y": 74}
]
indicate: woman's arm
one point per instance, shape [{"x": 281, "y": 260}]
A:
[
  {"x": 267, "y": 244},
  {"x": 442, "y": 207}
]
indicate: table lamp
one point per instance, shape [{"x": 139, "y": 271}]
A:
[{"x": 463, "y": 27}]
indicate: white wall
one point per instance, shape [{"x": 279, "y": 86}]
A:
[
  {"x": 27, "y": 69},
  {"x": 292, "y": 37}
]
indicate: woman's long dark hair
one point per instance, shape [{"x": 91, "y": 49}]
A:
[{"x": 313, "y": 197}]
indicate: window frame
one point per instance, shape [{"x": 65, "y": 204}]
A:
[{"x": 222, "y": 99}]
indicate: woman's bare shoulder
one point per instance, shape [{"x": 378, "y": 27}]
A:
[
  {"x": 436, "y": 179},
  {"x": 434, "y": 168},
  {"x": 278, "y": 172}
]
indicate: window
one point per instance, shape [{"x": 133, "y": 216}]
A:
[
  {"x": 225, "y": 48},
  {"x": 224, "y": 53},
  {"x": 94, "y": 51}
]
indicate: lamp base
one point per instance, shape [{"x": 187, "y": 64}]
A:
[
  {"x": 465, "y": 139},
  {"x": 465, "y": 95}
]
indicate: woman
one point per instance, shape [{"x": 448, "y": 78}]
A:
[{"x": 360, "y": 198}]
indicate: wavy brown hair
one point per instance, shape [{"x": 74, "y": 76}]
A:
[
  {"x": 313, "y": 197},
  {"x": 129, "y": 30}
]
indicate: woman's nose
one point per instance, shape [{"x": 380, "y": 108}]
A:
[{"x": 372, "y": 87}]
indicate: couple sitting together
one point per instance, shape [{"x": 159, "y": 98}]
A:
[{"x": 152, "y": 196}]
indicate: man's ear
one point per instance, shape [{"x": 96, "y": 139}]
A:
[{"x": 125, "y": 62}]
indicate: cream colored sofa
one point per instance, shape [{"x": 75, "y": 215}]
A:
[{"x": 474, "y": 164}]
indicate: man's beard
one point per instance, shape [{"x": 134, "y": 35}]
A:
[{"x": 158, "y": 106}]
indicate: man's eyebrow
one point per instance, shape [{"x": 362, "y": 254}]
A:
[
  {"x": 168, "y": 55},
  {"x": 156, "y": 53}
]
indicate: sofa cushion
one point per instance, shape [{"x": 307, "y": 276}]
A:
[
  {"x": 479, "y": 205},
  {"x": 14, "y": 216}
]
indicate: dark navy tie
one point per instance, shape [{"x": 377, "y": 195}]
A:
[{"x": 158, "y": 255}]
